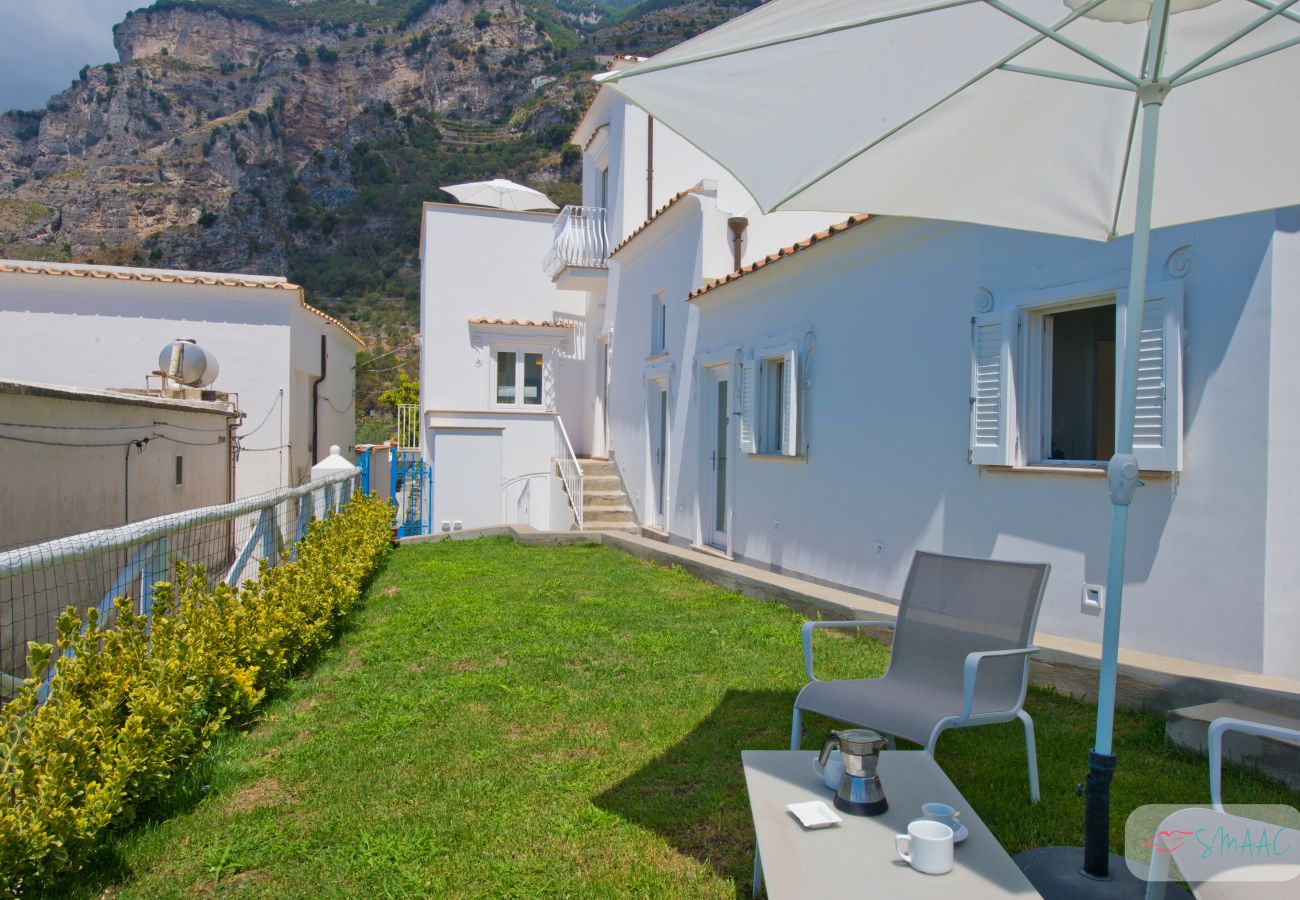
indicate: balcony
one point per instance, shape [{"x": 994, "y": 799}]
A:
[{"x": 579, "y": 252}]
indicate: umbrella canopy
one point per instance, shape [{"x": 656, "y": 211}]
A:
[
  {"x": 1042, "y": 115},
  {"x": 500, "y": 193},
  {"x": 1018, "y": 113}
]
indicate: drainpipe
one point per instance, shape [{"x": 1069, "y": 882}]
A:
[
  {"x": 650, "y": 167},
  {"x": 737, "y": 224},
  {"x": 126, "y": 478},
  {"x": 315, "y": 401}
]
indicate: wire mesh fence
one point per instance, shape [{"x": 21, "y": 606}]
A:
[{"x": 92, "y": 570}]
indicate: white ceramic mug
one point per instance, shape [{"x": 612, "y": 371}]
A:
[
  {"x": 831, "y": 772},
  {"x": 929, "y": 847}
]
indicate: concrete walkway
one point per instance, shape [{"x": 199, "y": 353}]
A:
[{"x": 1147, "y": 681}]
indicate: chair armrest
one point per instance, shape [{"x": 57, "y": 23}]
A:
[
  {"x": 807, "y": 634},
  {"x": 971, "y": 669},
  {"x": 1215, "y": 738}
]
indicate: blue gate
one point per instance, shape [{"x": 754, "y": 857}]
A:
[{"x": 412, "y": 482}]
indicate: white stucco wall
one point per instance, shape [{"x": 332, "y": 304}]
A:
[
  {"x": 889, "y": 305},
  {"x": 487, "y": 263},
  {"x": 105, "y": 332}
]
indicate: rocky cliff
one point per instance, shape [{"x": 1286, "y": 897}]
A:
[{"x": 300, "y": 137}]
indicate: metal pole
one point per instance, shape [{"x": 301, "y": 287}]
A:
[{"x": 1122, "y": 472}]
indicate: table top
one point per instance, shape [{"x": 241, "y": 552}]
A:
[{"x": 858, "y": 854}]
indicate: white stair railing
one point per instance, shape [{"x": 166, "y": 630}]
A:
[
  {"x": 408, "y": 426},
  {"x": 570, "y": 469},
  {"x": 580, "y": 239}
]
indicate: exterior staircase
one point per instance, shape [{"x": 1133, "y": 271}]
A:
[{"x": 605, "y": 506}]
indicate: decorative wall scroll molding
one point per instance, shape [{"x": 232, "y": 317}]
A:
[
  {"x": 984, "y": 300},
  {"x": 1181, "y": 264}
]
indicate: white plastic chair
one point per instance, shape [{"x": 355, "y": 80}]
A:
[
  {"x": 1190, "y": 819},
  {"x": 959, "y": 618}
]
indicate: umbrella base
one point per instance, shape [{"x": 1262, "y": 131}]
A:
[{"x": 1057, "y": 874}]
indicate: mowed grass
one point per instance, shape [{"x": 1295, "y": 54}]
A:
[{"x": 508, "y": 721}]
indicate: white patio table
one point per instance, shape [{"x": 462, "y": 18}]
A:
[{"x": 857, "y": 857}]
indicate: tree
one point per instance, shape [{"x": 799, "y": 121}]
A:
[{"x": 405, "y": 393}]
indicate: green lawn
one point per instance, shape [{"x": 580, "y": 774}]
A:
[{"x": 518, "y": 722}]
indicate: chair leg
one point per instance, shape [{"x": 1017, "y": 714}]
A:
[
  {"x": 758, "y": 872},
  {"x": 1031, "y": 752},
  {"x": 796, "y": 729}
]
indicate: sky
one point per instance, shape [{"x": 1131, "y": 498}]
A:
[{"x": 44, "y": 43}]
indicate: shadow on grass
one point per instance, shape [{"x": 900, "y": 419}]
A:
[{"x": 693, "y": 795}]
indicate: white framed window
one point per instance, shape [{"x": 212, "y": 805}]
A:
[
  {"x": 518, "y": 375},
  {"x": 769, "y": 395},
  {"x": 658, "y": 324},
  {"x": 1043, "y": 382}
]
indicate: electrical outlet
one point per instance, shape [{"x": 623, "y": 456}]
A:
[
  {"x": 446, "y": 525},
  {"x": 878, "y": 549},
  {"x": 1094, "y": 599},
  {"x": 457, "y": 525}
]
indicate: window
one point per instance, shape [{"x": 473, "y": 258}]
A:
[
  {"x": 658, "y": 324},
  {"x": 772, "y": 392},
  {"x": 516, "y": 370},
  {"x": 1076, "y": 385},
  {"x": 180, "y": 470},
  {"x": 769, "y": 404},
  {"x": 1043, "y": 383}
]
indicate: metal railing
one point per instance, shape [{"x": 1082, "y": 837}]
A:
[
  {"x": 570, "y": 470},
  {"x": 92, "y": 570},
  {"x": 581, "y": 239},
  {"x": 408, "y": 426}
]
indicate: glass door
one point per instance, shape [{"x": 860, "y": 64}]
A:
[{"x": 720, "y": 433}]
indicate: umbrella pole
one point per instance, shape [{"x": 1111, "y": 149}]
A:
[{"x": 1122, "y": 475}]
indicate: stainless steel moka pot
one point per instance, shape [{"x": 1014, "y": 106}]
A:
[{"x": 860, "y": 793}]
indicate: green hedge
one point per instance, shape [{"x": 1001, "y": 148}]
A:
[{"x": 131, "y": 704}]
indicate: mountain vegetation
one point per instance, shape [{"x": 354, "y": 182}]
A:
[{"x": 300, "y": 137}]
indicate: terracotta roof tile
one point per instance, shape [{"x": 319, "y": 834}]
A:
[
  {"x": 656, "y": 214},
  {"x": 521, "y": 323},
  {"x": 784, "y": 252},
  {"x": 169, "y": 277}
]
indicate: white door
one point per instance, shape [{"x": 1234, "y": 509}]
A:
[
  {"x": 658, "y": 421},
  {"x": 720, "y": 438}
]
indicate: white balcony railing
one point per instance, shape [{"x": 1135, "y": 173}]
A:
[{"x": 580, "y": 239}]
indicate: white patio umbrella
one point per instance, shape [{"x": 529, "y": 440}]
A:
[
  {"x": 1032, "y": 114},
  {"x": 500, "y": 193}
]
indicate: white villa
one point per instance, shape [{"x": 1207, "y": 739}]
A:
[
  {"x": 823, "y": 397},
  {"x": 291, "y": 365}
]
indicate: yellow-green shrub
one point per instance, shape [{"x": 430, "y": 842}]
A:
[{"x": 130, "y": 704}]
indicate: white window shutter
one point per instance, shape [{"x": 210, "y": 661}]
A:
[
  {"x": 990, "y": 406},
  {"x": 747, "y": 443},
  {"x": 1158, "y": 418},
  {"x": 790, "y": 404}
]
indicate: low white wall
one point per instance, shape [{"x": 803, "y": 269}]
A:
[{"x": 495, "y": 469}]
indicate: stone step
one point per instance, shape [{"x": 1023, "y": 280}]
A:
[
  {"x": 602, "y": 483},
  {"x": 599, "y": 468},
  {"x": 1188, "y": 728},
  {"x": 603, "y": 498},
  {"x": 608, "y": 514},
  {"x": 624, "y": 528}
]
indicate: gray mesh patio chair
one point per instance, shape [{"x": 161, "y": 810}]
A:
[{"x": 958, "y": 618}]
